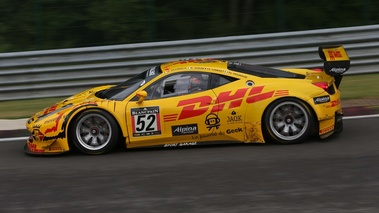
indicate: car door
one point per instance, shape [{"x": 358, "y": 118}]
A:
[
  {"x": 172, "y": 114},
  {"x": 231, "y": 97}
]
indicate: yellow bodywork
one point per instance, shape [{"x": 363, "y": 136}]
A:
[{"x": 226, "y": 113}]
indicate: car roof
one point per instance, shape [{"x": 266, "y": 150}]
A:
[
  {"x": 216, "y": 65},
  {"x": 194, "y": 64}
]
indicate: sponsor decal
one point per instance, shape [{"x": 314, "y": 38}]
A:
[
  {"x": 151, "y": 72},
  {"x": 170, "y": 117},
  {"x": 279, "y": 93},
  {"x": 184, "y": 129},
  {"x": 333, "y": 54},
  {"x": 239, "y": 74},
  {"x": 219, "y": 70},
  {"x": 50, "y": 121},
  {"x": 38, "y": 135},
  {"x": 256, "y": 95},
  {"x": 194, "y": 60},
  {"x": 225, "y": 100},
  {"x": 37, "y": 126},
  {"x": 55, "y": 149},
  {"x": 212, "y": 121},
  {"x": 335, "y": 103},
  {"x": 232, "y": 131},
  {"x": 234, "y": 118},
  {"x": 338, "y": 70},
  {"x": 33, "y": 148},
  {"x": 180, "y": 144},
  {"x": 213, "y": 134},
  {"x": 145, "y": 121},
  {"x": 145, "y": 111},
  {"x": 322, "y": 99},
  {"x": 202, "y": 136},
  {"x": 327, "y": 129}
]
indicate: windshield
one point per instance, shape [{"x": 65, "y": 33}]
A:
[{"x": 126, "y": 88}]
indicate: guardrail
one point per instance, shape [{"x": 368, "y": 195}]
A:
[{"x": 63, "y": 72}]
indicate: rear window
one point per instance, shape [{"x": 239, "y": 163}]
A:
[{"x": 263, "y": 72}]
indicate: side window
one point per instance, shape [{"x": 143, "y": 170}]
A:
[
  {"x": 178, "y": 84},
  {"x": 220, "y": 80}
]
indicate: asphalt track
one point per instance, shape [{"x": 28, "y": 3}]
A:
[{"x": 340, "y": 174}]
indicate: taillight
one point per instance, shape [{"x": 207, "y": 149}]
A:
[
  {"x": 322, "y": 85},
  {"x": 317, "y": 69}
]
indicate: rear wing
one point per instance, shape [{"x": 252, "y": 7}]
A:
[{"x": 336, "y": 60}]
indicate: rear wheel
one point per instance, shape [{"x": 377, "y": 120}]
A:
[
  {"x": 288, "y": 121},
  {"x": 95, "y": 132}
]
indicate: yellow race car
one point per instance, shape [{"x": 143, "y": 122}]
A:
[{"x": 194, "y": 102}]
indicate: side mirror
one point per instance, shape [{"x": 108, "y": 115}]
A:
[{"x": 142, "y": 95}]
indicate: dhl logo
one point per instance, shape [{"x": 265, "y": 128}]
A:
[
  {"x": 334, "y": 103},
  {"x": 225, "y": 100},
  {"x": 33, "y": 147},
  {"x": 333, "y": 54}
]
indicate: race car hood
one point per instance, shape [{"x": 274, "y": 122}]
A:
[{"x": 73, "y": 101}]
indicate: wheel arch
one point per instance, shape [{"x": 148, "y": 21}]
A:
[
  {"x": 306, "y": 103},
  {"x": 77, "y": 112}
]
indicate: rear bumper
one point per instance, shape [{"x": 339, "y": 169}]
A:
[
  {"x": 331, "y": 126},
  {"x": 338, "y": 123}
]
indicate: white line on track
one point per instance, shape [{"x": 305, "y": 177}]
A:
[
  {"x": 13, "y": 139},
  {"x": 345, "y": 118},
  {"x": 361, "y": 116}
]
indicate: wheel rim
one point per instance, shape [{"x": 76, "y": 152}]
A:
[
  {"x": 93, "y": 131},
  {"x": 289, "y": 121}
]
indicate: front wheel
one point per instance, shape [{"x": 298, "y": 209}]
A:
[
  {"x": 288, "y": 121},
  {"x": 94, "y": 132}
]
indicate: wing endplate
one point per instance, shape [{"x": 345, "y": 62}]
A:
[{"x": 336, "y": 60}]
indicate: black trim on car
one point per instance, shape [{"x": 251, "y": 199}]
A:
[{"x": 263, "y": 72}]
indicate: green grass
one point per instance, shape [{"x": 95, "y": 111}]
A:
[
  {"x": 352, "y": 87},
  {"x": 24, "y": 108},
  {"x": 360, "y": 86}
]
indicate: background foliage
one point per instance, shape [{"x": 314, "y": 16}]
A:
[{"x": 54, "y": 24}]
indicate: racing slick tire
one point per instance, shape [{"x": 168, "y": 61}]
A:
[
  {"x": 95, "y": 132},
  {"x": 288, "y": 121}
]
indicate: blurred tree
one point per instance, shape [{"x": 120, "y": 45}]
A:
[
  {"x": 52, "y": 24},
  {"x": 191, "y": 19},
  {"x": 119, "y": 20},
  {"x": 44, "y": 24}
]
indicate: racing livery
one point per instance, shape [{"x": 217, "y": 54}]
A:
[{"x": 194, "y": 102}]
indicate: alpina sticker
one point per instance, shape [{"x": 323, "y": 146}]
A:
[
  {"x": 184, "y": 129},
  {"x": 322, "y": 99},
  {"x": 338, "y": 70}
]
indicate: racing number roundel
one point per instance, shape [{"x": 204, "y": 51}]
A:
[{"x": 145, "y": 121}]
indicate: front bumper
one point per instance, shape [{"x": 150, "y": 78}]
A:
[
  {"x": 34, "y": 147},
  {"x": 30, "y": 152}
]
